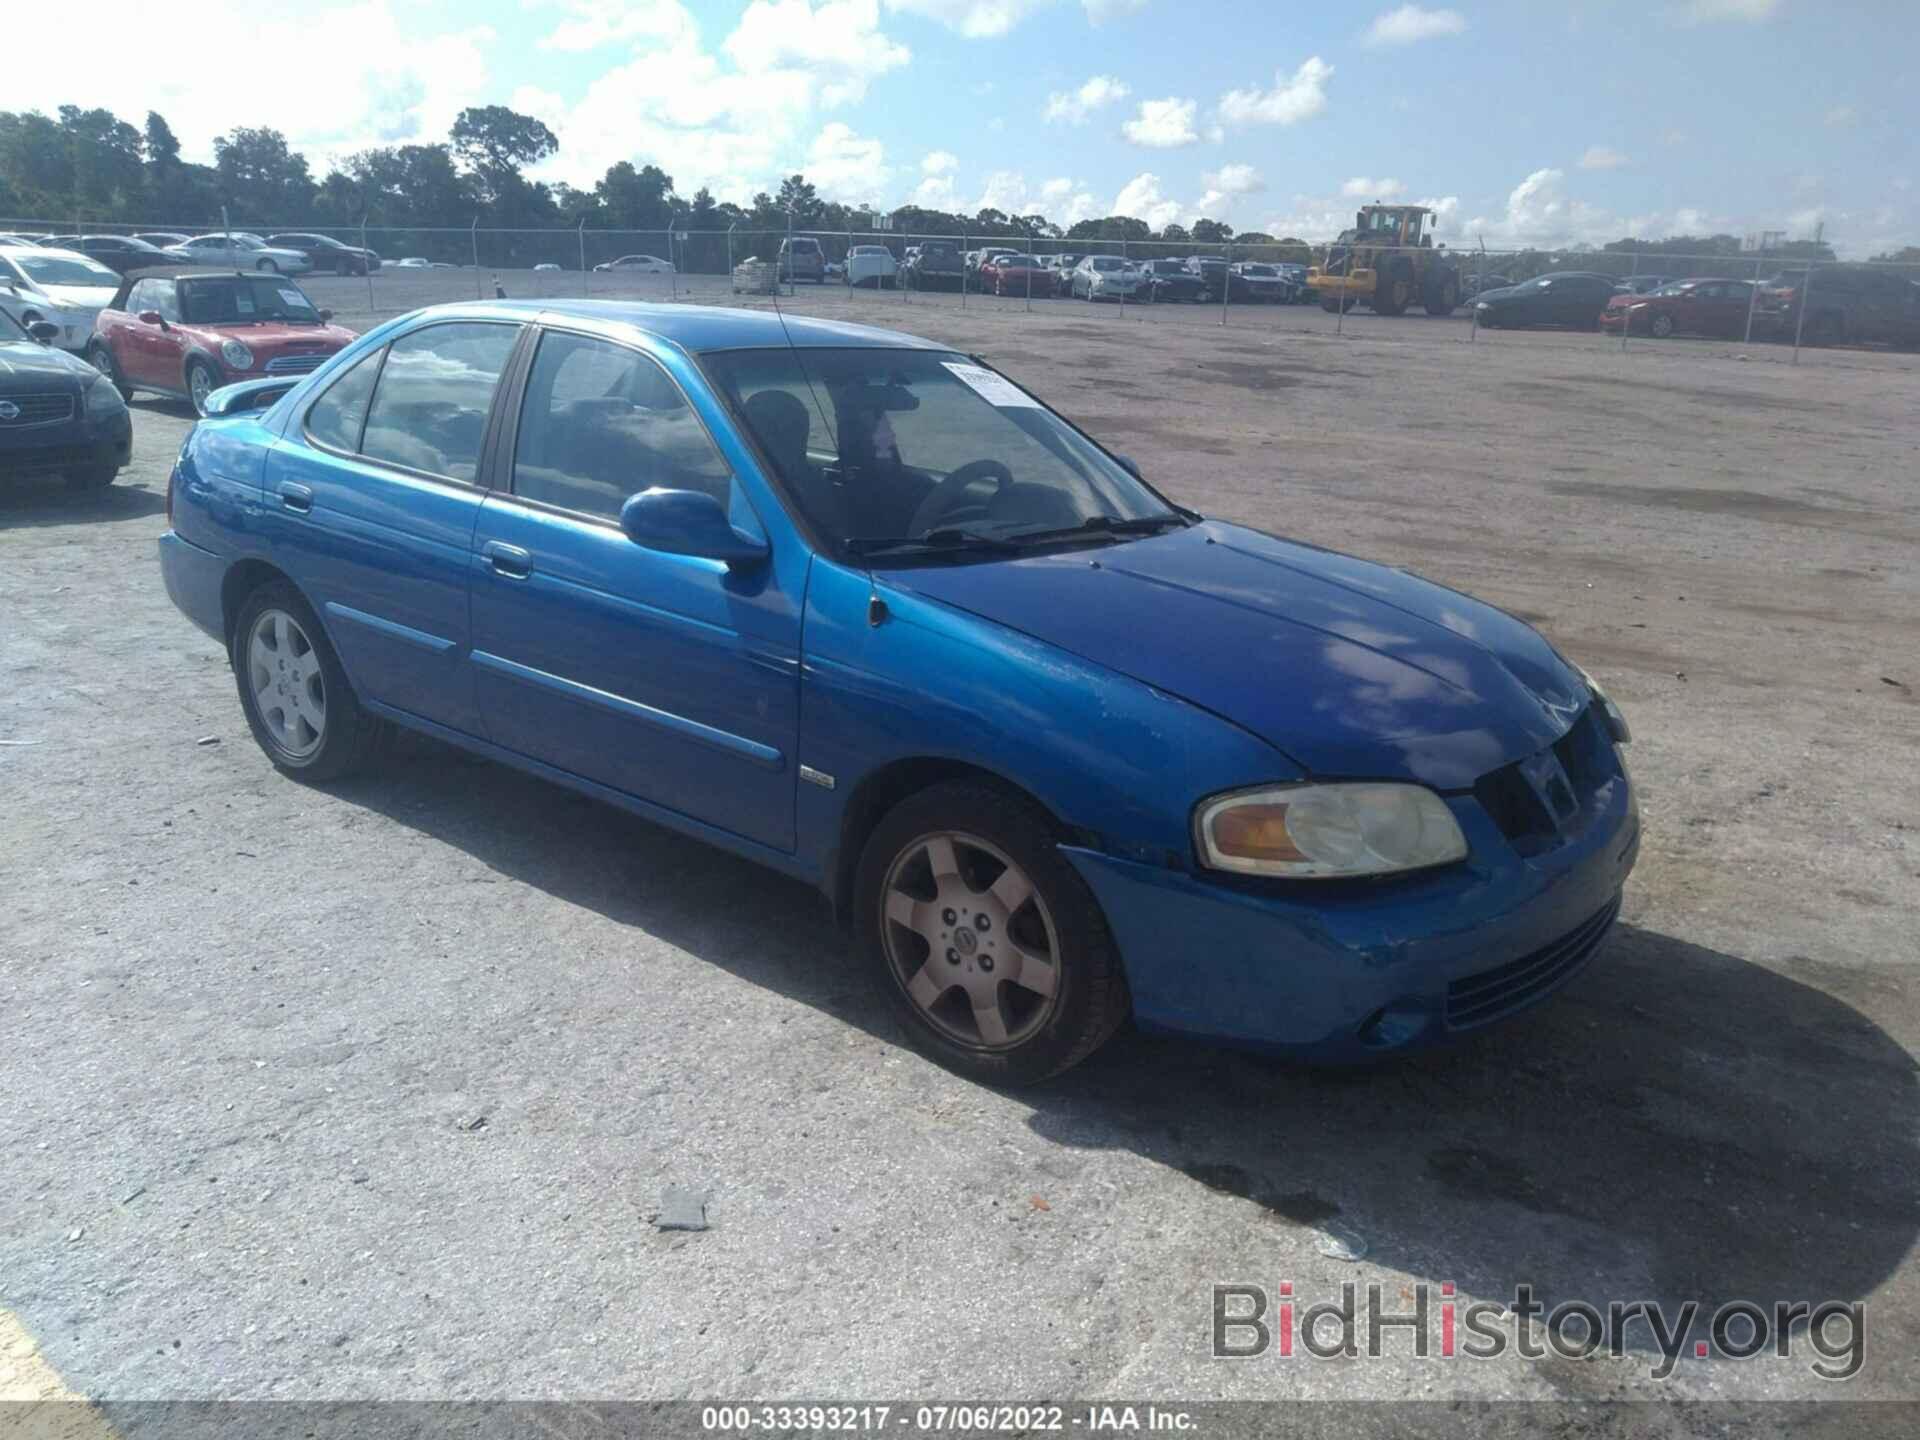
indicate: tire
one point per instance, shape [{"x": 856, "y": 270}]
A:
[
  {"x": 1393, "y": 293},
  {"x": 100, "y": 356},
  {"x": 201, "y": 382},
  {"x": 1332, "y": 307},
  {"x": 268, "y": 267},
  {"x": 302, "y": 679},
  {"x": 91, "y": 477},
  {"x": 1661, "y": 327},
  {"x": 1443, "y": 293},
  {"x": 1055, "y": 935}
]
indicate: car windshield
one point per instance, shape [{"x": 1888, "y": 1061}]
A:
[
  {"x": 924, "y": 451},
  {"x": 1105, "y": 262},
  {"x": 45, "y": 269},
  {"x": 242, "y": 300},
  {"x": 1265, "y": 270},
  {"x": 870, "y": 250},
  {"x": 1017, "y": 262}
]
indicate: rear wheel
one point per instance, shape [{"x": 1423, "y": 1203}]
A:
[
  {"x": 297, "y": 701},
  {"x": 985, "y": 937}
]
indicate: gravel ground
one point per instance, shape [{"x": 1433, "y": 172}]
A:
[{"x": 373, "y": 1091}]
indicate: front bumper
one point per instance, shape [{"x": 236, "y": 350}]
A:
[
  {"x": 79, "y": 444},
  {"x": 1350, "y": 972}
]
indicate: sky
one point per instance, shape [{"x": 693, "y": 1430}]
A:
[{"x": 1549, "y": 122}]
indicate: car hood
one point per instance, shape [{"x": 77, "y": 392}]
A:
[
  {"x": 1351, "y": 668},
  {"x": 1505, "y": 292},
  {"x": 278, "y": 339},
  {"x": 80, "y": 297},
  {"x": 25, "y": 364}
]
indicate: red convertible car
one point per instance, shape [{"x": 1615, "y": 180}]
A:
[
  {"x": 1684, "y": 307},
  {"x": 1012, "y": 274},
  {"x": 188, "y": 334}
]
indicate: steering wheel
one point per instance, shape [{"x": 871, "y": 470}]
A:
[{"x": 944, "y": 501}]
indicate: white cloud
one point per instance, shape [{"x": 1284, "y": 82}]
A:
[
  {"x": 1705, "y": 12},
  {"x": 1234, "y": 180},
  {"x": 1603, "y": 157},
  {"x": 975, "y": 19},
  {"x": 1539, "y": 212},
  {"x": 846, "y": 166},
  {"x": 1362, "y": 187},
  {"x": 1140, "y": 197},
  {"x": 386, "y": 84},
  {"x": 1101, "y": 11},
  {"x": 1842, "y": 115},
  {"x": 589, "y": 25},
  {"x": 939, "y": 162},
  {"x": 1074, "y": 106},
  {"x": 1293, "y": 98},
  {"x": 838, "y": 39},
  {"x": 1163, "y": 124},
  {"x": 1410, "y": 24}
]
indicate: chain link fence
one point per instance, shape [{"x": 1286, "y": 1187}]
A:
[{"x": 1629, "y": 297}]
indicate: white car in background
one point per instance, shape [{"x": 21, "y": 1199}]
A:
[
  {"x": 871, "y": 265},
  {"x": 413, "y": 262},
  {"x": 241, "y": 252},
  {"x": 638, "y": 265},
  {"x": 61, "y": 287}
]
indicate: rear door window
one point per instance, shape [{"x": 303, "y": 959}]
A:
[
  {"x": 337, "y": 417},
  {"x": 430, "y": 409}
]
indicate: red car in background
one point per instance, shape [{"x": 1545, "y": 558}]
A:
[
  {"x": 1705, "y": 306},
  {"x": 186, "y": 335},
  {"x": 1012, "y": 274}
]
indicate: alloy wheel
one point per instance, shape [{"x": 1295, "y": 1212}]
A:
[
  {"x": 970, "y": 941},
  {"x": 289, "y": 690}
]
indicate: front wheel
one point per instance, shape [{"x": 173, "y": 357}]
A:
[
  {"x": 200, "y": 384},
  {"x": 297, "y": 701},
  {"x": 1661, "y": 326},
  {"x": 267, "y": 267},
  {"x": 991, "y": 946}
]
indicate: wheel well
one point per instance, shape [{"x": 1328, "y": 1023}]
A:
[
  {"x": 885, "y": 788},
  {"x": 239, "y": 582}
]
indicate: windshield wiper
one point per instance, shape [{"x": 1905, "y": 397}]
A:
[
  {"x": 1097, "y": 525},
  {"x": 947, "y": 540}
]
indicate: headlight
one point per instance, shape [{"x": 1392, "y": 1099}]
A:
[
  {"x": 103, "y": 401},
  {"x": 237, "y": 355},
  {"x": 1319, "y": 831}
]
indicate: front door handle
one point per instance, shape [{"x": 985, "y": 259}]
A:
[
  {"x": 297, "y": 498},
  {"x": 508, "y": 560}
]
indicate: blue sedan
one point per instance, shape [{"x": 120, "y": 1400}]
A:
[{"x": 1059, "y": 750}]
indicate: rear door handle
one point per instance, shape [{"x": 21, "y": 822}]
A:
[
  {"x": 508, "y": 560},
  {"x": 296, "y": 497}
]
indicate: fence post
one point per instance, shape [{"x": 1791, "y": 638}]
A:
[
  {"x": 1753, "y": 294},
  {"x": 1031, "y": 257},
  {"x": 1626, "y": 322},
  {"x": 1226, "y": 290},
  {"x": 732, "y": 284},
  {"x": 964, "y": 276},
  {"x": 473, "y": 235},
  {"x": 1340, "y": 322},
  {"x": 366, "y": 263},
  {"x": 1126, "y": 259},
  {"x": 673, "y": 262},
  {"x": 1800, "y": 320}
]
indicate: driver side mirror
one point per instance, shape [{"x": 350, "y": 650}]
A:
[
  {"x": 45, "y": 331},
  {"x": 688, "y": 522},
  {"x": 153, "y": 317},
  {"x": 325, "y": 316}
]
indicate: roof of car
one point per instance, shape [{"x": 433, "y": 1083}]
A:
[{"x": 702, "y": 327}]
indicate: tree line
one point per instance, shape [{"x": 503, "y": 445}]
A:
[{"x": 90, "y": 169}]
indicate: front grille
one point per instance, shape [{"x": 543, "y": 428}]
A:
[
  {"x": 1586, "y": 757},
  {"x": 36, "y": 410},
  {"x": 1482, "y": 998},
  {"x": 55, "y": 457},
  {"x": 294, "y": 364}
]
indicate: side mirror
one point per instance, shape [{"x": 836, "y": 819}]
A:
[
  {"x": 45, "y": 331},
  {"x": 152, "y": 317},
  {"x": 325, "y": 315},
  {"x": 688, "y": 522},
  {"x": 1130, "y": 465}
]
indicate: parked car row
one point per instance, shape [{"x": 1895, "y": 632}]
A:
[
  {"x": 293, "y": 253},
  {"x": 1843, "y": 304},
  {"x": 77, "y": 342}
]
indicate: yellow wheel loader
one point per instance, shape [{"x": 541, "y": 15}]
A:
[{"x": 1385, "y": 263}]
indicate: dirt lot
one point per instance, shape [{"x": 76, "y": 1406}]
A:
[{"x": 372, "y": 1091}]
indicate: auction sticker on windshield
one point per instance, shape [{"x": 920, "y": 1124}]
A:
[
  {"x": 992, "y": 388},
  {"x": 293, "y": 297}
]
